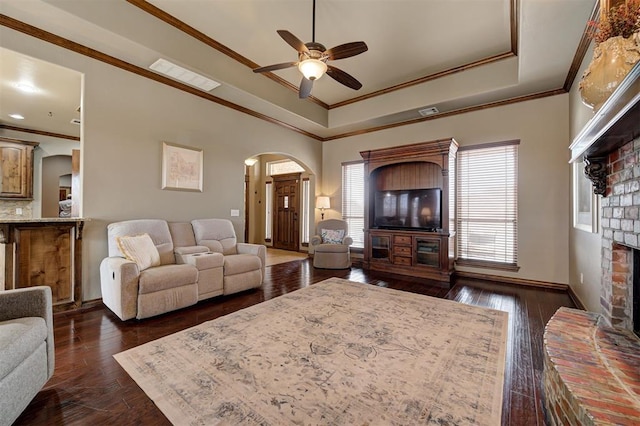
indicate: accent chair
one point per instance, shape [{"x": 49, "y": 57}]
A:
[{"x": 331, "y": 245}]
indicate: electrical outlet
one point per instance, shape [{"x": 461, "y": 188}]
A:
[
  {"x": 235, "y": 212},
  {"x": 19, "y": 211}
]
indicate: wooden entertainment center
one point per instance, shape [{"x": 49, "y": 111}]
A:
[{"x": 407, "y": 249}]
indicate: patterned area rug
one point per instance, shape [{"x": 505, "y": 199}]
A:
[{"x": 338, "y": 353}]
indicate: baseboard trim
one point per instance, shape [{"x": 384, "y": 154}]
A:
[
  {"x": 510, "y": 280},
  {"x": 575, "y": 299}
]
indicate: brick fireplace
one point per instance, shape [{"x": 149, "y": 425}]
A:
[
  {"x": 592, "y": 360},
  {"x": 620, "y": 234}
]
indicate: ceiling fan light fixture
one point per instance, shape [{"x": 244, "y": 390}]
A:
[{"x": 312, "y": 69}]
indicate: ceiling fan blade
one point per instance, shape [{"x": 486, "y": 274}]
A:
[
  {"x": 305, "y": 88},
  {"x": 293, "y": 41},
  {"x": 275, "y": 67},
  {"x": 343, "y": 78},
  {"x": 347, "y": 50}
]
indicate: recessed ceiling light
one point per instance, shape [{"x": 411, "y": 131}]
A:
[
  {"x": 176, "y": 72},
  {"x": 16, "y": 116},
  {"x": 26, "y": 88}
]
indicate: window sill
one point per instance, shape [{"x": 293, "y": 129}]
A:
[{"x": 488, "y": 265}]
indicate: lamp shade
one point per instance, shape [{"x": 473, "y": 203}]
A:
[
  {"x": 322, "y": 202},
  {"x": 312, "y": 69}
]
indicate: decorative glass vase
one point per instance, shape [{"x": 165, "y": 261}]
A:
[{"x": 612, "y": 61}]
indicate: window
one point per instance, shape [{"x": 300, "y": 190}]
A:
[
  {"x": 487, "y": 205},
  {"x": 268, "y": 205},
  {"x": 353, "y": 201},
  {"x": 283, "y": 167},
  {"x": 305, "y": 211}
]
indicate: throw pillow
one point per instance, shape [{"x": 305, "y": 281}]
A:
[
  {"x": 332, "y": 236},
  {"x": 139, "y": 249}
]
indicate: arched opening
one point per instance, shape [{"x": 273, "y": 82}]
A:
[{"x": 279, "y": 190}]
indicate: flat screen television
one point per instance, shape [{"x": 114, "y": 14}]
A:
[{"x": 417, "y": 209}]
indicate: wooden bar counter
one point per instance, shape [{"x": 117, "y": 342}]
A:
[{"x": 45, "y": 251}]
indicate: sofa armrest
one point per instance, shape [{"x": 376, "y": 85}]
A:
[
  {"x": 119, "y": 284},
  {"x": 26, "y": 302},
  {"x": 347, "y": 241},
  {"x": 247, "y": 248},
  {"x": 316, "y": 240},
  {"x": 255, "y": 249},
  {"x": 31, "y": 302}
]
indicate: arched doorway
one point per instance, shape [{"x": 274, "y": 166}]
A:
[{"x": 278, "y": 194}]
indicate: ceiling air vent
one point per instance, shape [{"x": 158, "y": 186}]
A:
[
  {"x": 176, "y": 72},
  {"x": 75, "y": 121},
  {"x": 428, "y": 111}
]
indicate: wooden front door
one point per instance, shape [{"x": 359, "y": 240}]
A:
[{"x": 286, "y": 207}]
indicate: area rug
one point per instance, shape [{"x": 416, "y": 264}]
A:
[{"x": 334, "y": 353}]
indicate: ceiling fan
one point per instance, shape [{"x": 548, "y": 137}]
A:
[{"x": 313, "y": 57}]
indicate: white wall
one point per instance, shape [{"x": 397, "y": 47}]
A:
[
  {"x": 584, "y": 246},
  {"x": 125, "y": 119},
  {"x": 544, "y": 178}
]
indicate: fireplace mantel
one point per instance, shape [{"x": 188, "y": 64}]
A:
[{"x": 615, "y": 124}]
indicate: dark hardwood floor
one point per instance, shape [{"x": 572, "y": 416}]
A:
[{"x": 90, "y": 388}]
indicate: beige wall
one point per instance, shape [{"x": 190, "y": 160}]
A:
[
  {"x": 584, "y": 246},
  {"x": 125, "y": 119},
  {"x": 543, "y": 213}
]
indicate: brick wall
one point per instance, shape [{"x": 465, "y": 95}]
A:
[{"x": 620, "y": 223}]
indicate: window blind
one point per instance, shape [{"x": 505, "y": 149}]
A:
[
  {"x": 487, "y": 203},
  {"x": 353, "y": 201}
]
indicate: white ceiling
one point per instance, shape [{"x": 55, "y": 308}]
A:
[
  {"x": 408, "y": 40},
  {"x": 54, "y": 101}
]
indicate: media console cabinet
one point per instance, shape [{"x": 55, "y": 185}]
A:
[{"x": 416, "y": 252}]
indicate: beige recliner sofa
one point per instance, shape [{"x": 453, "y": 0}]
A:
[{"x": 192, "y": 266}]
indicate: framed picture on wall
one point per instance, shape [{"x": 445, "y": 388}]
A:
[
  {"x": 181, "y": 167},
  {"x": 586, "y": 205}
]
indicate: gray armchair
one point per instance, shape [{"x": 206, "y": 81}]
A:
[
  {"x": 331, "y": 245},
  {"x": 26, "y": 348}
]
